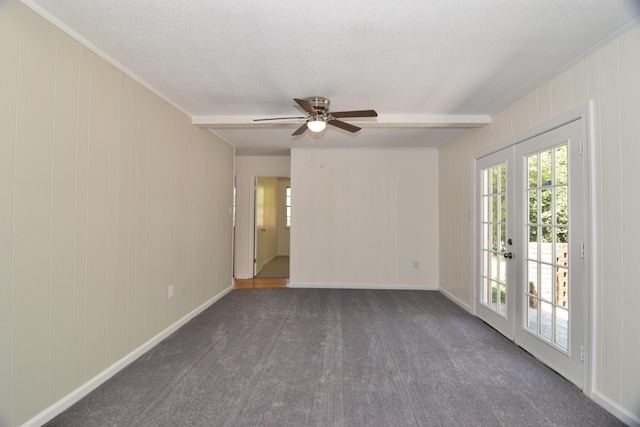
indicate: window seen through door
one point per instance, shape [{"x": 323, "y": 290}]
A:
[{"x": 288, "y": 206}]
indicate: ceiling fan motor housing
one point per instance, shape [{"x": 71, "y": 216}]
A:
[{"x": 319, "y": 103}]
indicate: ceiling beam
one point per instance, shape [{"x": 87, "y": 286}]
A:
[{"x": 382, "y": 121}]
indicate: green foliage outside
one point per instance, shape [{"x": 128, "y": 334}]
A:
[
  {"x": 548, "y": 173},
  {"x": 494, "y": 294}
]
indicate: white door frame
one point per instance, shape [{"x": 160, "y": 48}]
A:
[{"x": 583, "y": 112}]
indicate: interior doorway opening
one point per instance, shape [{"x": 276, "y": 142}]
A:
[{"x": 272, "y": 224}]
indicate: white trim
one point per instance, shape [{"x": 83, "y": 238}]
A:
[
  {"x": 65, "y": 28},
  {"x": 580, "y": 112},
  {"x": 80, "y": 392},
  {"x": 457, "y": 300},
  {"x": 615, "y": 409},
  {"x": 362, "y": 286},
  {"x": 407, "y": 121}
]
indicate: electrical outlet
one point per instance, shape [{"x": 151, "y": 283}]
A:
[
  {"x": 170, "y": 291},
  {"x": 416, "y": 265}
]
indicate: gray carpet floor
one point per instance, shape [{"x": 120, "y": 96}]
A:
[
  {"x": 277, "y": 267},
  {"x": 308, "y": 357}
]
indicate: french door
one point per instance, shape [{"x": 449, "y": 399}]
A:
[
  {"x": 531, "y": 283},
  {"x": 495, "y": 297}
]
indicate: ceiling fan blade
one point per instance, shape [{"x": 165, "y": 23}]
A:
[
  {"x": 300, "y": 130},
  {"x": 359, "y": 113},
  {"x": 343, "y": 125},
  {"x": 306, "y": 105},
  {"x": 279, "y": 118}
]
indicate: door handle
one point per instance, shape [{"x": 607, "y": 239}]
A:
[{"x": 507, "y": 255}]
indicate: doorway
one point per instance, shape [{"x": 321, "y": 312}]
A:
[
  {"x": 532, "y": 282},
  {"x": 272, "y": 215}
]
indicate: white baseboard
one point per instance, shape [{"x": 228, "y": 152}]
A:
[
  {"x": 618, "y": 411},
  {"x": 362, "y": 286},
  {"x": 73, "y": 397},
  {"x": 458, "y": 301}
]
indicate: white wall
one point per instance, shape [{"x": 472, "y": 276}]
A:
[
  {"x": 363, "y": 217},
  {"x": 248, "y": 167},
  {"x": 108, "y": 196},
  {"x": 610, "y": 77}
]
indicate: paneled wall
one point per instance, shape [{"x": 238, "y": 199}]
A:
[
  {"x": 610, "y": 77},
  {"x": 108, "y": 196},
  {"x": 364, "y": 218}
]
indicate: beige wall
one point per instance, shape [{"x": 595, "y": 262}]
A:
[
  {"x": 611, "y": 78},
  {"x": 108, "y": 196},
  {"x": 365, "y": 218}
]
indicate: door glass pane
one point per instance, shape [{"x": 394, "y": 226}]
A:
[
  {"x": 533, "y": 206},
  {"x": 545, "y": 205},
  {"x": 502, "y": 303},
  {"x": 532, "y": 315},
  {"x": 533, "y": 171},
  {"x": 562, "y": 287},
  {"x": 562, "y": 328},
  {"x": 495, "y": 238},
  {"x": 546, "y": 282},
  {"x": 562, "y": 206},
  {"x": 562, "y": 236},
  {"x": 494, "y": 179},
  {"x": 494, "y": 288},
  {"x": 532, "y": 248},
  {"x": 502, "y": 269},
  {"x": 486, "y": 235},
  {"x": 545, "y": 168},
  {"x": 485, "y": 290},
  {"x": 532, "y": 275},
  {"x": 546, "y": 323},
  {"x": 494, "y": 266},
  {"x": 561, "y": 165},
  {"x": 546, "y": 247}
]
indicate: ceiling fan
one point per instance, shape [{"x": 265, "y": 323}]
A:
[{"x": 319, "y": 116}]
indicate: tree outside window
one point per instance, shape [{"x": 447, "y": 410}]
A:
[{"x": 288, "y": 207}]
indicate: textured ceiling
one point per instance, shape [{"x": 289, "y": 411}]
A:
[{"x": 227, "y": 62}]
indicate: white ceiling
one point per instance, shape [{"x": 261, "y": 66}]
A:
[{"x": 419, "y": 64}]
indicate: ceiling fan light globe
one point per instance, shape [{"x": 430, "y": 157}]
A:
[{"x": 316, "y": 125}]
